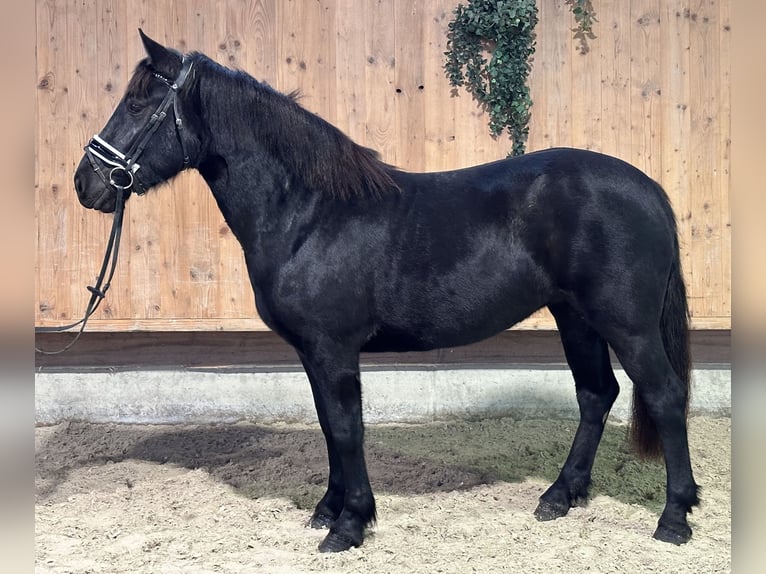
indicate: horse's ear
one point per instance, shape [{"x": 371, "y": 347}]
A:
[{"x": 166, "y": 62}]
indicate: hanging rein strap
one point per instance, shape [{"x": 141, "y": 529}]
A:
[
  {"x": 124, "y": 165},
  {"x": 97, "y": 291}
]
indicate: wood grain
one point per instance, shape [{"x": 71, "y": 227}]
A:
[
  {"x": 654, "y": 89},
  {"x": 244, "y": 350}
]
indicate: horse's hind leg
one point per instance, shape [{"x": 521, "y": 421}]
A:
[
  {"x": 664, "y": 396},
  {"x": 588, "y": 357},
  {"x": 348, "y": 505}
]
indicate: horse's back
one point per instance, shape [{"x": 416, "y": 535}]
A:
[
  {"x": 554, "y": 184},
  {"x": 476, "y": 250}
]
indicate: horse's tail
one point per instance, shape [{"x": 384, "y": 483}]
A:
[{"x": 674, "y": 325}]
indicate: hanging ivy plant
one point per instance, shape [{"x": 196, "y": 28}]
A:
[
  {"x": 505, "y": 31},
  {"x": 490, "y": 44},
  {"x": 584, "y": 18}
]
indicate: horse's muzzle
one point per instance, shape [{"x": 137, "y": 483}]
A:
[{"x": 93, "y": 193}]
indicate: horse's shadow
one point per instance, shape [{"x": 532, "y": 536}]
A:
[{"x": 291, "y": 462}]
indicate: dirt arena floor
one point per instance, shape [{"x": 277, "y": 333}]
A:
[{"x": 452, "y": 497}]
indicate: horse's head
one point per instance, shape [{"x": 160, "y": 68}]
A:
[{"x": 146, "y": 141}]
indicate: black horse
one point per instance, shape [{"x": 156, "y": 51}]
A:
[{"x": 348, "y": 254}]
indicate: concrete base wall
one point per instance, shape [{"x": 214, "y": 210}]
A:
[{"x": 389, "y": 395}]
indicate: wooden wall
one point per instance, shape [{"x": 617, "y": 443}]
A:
[{"x": 653, "y": 89}]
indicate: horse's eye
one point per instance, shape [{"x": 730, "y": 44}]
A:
[{"x": 135, "y": 107}]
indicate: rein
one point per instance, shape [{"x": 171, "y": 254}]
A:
[
  {"x": 122, "y": 178},
  {"x": 97, "y": 291}
]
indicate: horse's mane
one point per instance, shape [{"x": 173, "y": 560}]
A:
[
  {"x": 326, "y": 160},
  {"x": 138, "y": 85}
]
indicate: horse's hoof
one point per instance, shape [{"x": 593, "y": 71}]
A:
[
  {"x": 675, "y": 536},
  {"x": 546, "y": 511},
  {"x": 336, "y": 542},
  {"x": 321, "y": 521}
]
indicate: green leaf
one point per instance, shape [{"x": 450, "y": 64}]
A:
[{"x": 500, "y": 84}]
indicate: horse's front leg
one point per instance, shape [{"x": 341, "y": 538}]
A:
[
  {"x": 330, "y": 506},
  {"x": 348, "y": 505}
]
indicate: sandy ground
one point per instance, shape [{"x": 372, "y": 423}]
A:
[{"x": 452, "y": 497}]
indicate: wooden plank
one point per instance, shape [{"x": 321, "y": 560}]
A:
[
  {"x": 380, "y": 79},
  {"x": 613, "y": 38},
  {"x": 199, "y": 216},
  {"x": 83, "y": 91},
  {"x": 724, "y": 155},
  {"x": 150, "y": 219},
  {"x": 410, "y": 81},
  {"x": 253, "y": 323},
  {"x": 540, "y": 103},
  {"x": 89, "y": 105},
  {"x": 676, "y": 119},
  {"x": 705, "y": 75},
  {"x": 350, "y": 79},
  {"x": 586, "y": 93},
  {"x": 553, "y": 64},
  {"x": 645, "y": 103},
  {"x": 247, "y": 350},
  {"x": 113, "y": 72},
  {"x": 537, "y": 322},
  {"x": 143, "y": 241},
  {"x": 260, "y": 53},
  {"x": 439, "y": 144},
  {"x": 253, "y": 350},
  {"x": 306, "y": 36},
  {"x": 52, "y": 216}
]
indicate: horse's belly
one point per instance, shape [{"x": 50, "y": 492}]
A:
[
  {"x": 452, "y": 322},
  {"x": 401, "y": 340}
]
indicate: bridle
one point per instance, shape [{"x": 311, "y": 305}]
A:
[
  {"x": 123, "y": 179},
  {"x": 125, "y": 164}
]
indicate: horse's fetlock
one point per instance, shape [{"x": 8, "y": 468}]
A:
[
  {"x": 363, "y": 505},
  {"x": 579, "y": 488},
  {"x": 685, "y": 499}
]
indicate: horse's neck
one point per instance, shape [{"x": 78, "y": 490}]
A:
[
  {"x": 263, "y": 202},
  {"x": 260, "y": 203}
]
